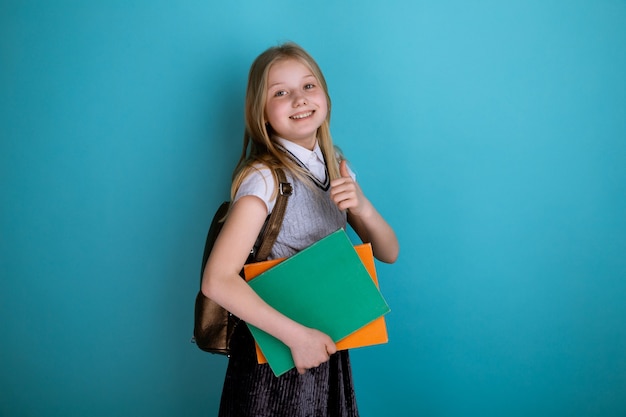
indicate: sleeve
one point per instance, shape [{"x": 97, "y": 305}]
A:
[{"x": 259, "y": 183}]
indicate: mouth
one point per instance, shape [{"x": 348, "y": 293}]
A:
[{"x": 302, "y": 115}]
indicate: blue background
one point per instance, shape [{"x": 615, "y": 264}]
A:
[{"x": 491, "y": 135}]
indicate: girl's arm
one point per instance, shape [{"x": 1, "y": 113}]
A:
[
  {"x": 363, "y": 216},
  {"x": 222, "y": 283}
]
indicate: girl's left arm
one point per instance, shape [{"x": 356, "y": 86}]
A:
[{"x": 363, "y": 216}]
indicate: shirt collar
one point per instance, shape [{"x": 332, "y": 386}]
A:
[{"x": 302, "y": 153}]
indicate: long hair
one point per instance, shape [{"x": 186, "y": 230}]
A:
[{"x": 258, "y": 146}]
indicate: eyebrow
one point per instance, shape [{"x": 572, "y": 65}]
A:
[{"x": 280, "y": 82}]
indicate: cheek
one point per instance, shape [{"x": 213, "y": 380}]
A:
[
  {"x": 270, "y": 111},
  {"x": 275, "y": 108},
  {"x": 323, "y": 102}
]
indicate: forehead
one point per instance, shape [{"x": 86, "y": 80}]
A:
[{"x": 287, "y": 69}]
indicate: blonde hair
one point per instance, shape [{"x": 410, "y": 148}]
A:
[{"x": 258, "y": 146}]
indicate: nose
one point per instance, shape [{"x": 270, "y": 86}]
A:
[{"x": 299, "y": 100}]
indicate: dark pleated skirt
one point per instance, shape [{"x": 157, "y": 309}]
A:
[{"x": 252, "y": 390}]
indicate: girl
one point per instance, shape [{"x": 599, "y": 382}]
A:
[{"x": 287, "y": 114}]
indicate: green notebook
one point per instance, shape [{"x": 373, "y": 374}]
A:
[{"x": 324, "y": 286}]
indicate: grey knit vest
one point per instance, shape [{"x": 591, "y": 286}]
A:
[{"x": 310, "y": 216}]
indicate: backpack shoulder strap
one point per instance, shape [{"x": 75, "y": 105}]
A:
[{"x": 276, "y": 218}]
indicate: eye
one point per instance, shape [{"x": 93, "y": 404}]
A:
[
  {"x": 309, "y": 86},
  {"x": 280, "y": 93}
]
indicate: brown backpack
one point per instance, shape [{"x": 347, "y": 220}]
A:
[{"x": 213, "y": 325}]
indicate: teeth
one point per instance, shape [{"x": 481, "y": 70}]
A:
[{"x": 302, "y": 116}]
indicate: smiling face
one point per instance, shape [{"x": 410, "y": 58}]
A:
[{"x": 296, "y": 104}]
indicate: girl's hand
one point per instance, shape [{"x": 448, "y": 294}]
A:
[
  {"x": 346, "y": 193},
  {"x": 310, "y": 349}
]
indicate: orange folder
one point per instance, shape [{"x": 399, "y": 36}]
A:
[{"x": 373, "y": 333}]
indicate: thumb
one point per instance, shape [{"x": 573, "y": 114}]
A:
[
  {"x": 331, "y": 348},
  {"x": 343, "y": 169}
]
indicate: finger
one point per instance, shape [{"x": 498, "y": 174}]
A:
[{"x": 343, "y": 168}]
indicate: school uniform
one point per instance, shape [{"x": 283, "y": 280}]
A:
[{"x": 252, "y": 389}]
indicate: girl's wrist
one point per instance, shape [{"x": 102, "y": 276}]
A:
[{"x": 365, "y": 212}]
